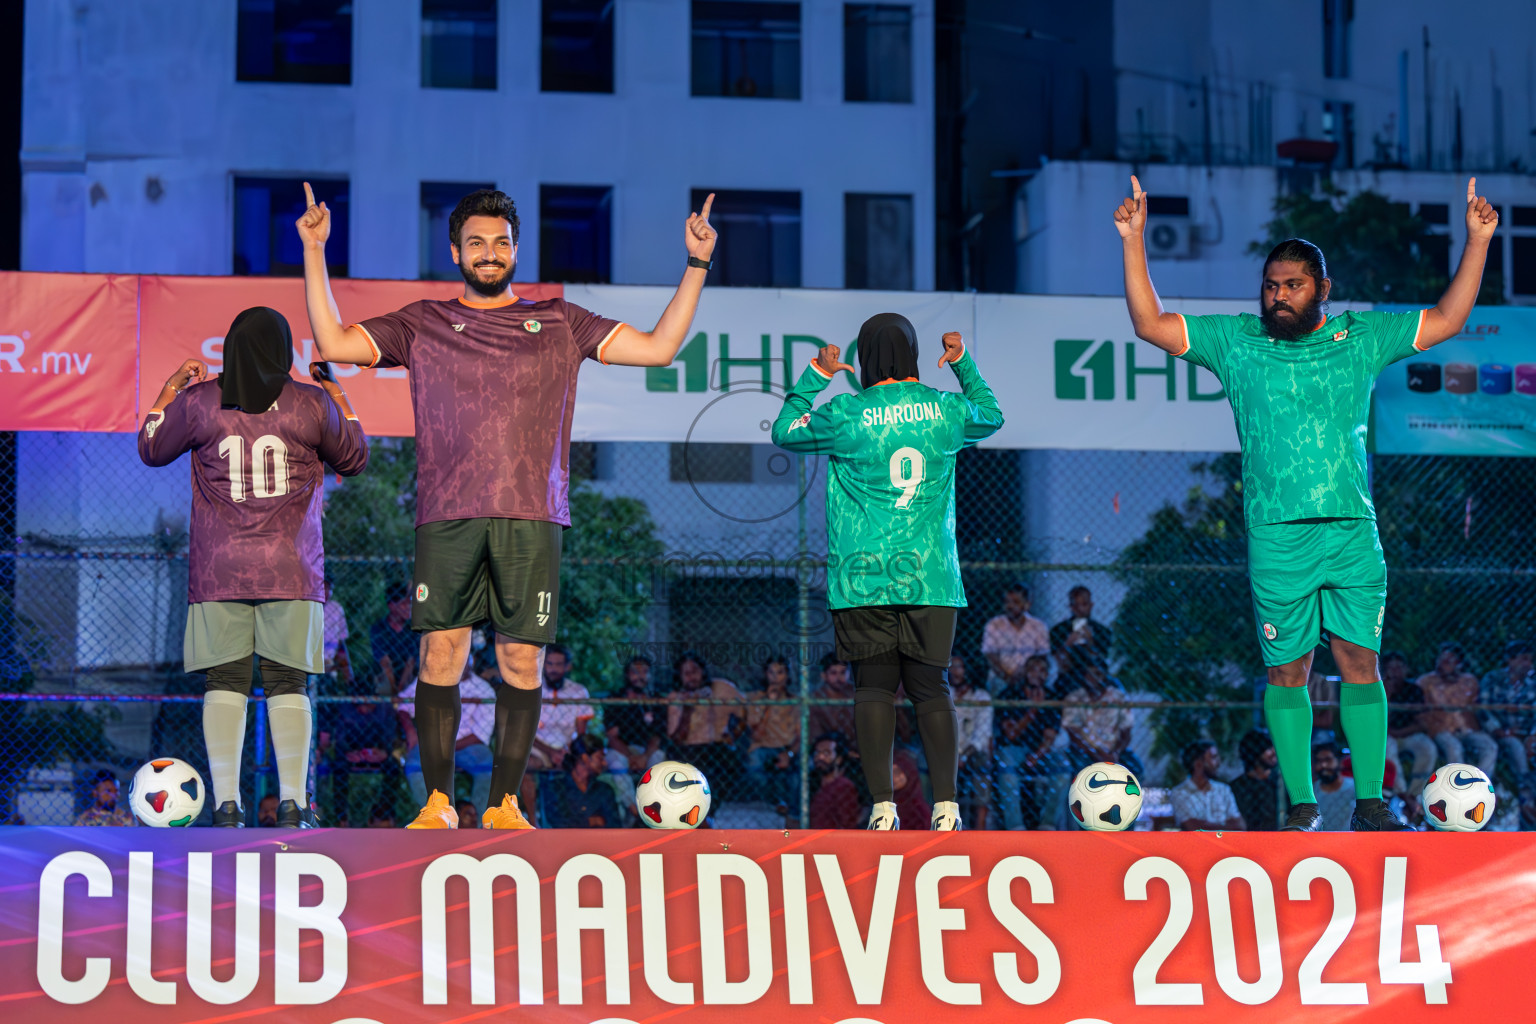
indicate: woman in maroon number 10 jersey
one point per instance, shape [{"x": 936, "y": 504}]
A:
[{"x": 260, "y": 442}]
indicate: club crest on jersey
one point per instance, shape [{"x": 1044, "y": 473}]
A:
[
  {"x": 1341, "y": 336},
  {"x": 458, "y": 327},
  {"x": 532, "y": 326},
  {"x": 1270, "y": 632},
  {"x": 421, "y": 591}
]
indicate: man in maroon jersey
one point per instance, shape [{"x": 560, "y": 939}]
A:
[
  {"x": 255, "y": 576},
  {"x": 493, "y": 387}
]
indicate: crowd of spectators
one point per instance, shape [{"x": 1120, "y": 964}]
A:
[{"x": 1039, "y": 704}]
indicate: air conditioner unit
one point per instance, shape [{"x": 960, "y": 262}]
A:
[{"x": 1170, "y": 238}]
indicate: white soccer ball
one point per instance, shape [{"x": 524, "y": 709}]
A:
[
  {"x": 166, "y": 793},
  {"x": 672, "y": 794},
  {"x": 1105, "y": 797},
  {"x": 1458, "y": 798}
]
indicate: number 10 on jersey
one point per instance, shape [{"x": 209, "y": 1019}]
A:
[{"x": 269, "y": 466}]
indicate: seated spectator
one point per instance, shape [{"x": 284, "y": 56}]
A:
[
  {"x": 1405, "y": 731},
  {"x": 1335, "y": 790},
  {"x": 826, "y": 719},
  {"x": 469, "y": 813},
  {"x": 395, "y": 647},
  {"x": 1455, "y": 732},
  {"x": 704, "y": 735},
  {"x": 911, "y": 808},
  {"x": 1097, "y": 733},
  {"x": 973, "y": 738},
  {"x": 775, "y": 731},
  {"x": 1080, "y": 630},
  {"x": 472, "y": 749},
  {"x": 360, "y": 740},
  {"x": 1024, "y": 750},
  {"x": 105, "y": 807},
  {"x": 266, "y": 811},
  {"x": 834, "y": 798},
  {"x": 334, "y": 648},
  {"x": 1259, "y": 791},
  {"x": 1009, "y": 639},
  {"x": 1203, "y": 801},
  {"x": 576, "y": 799},
  {"x": 1512, "y": 729},
  {"x": 563, "y": 718},
  {"x": 637, "y": 733}
]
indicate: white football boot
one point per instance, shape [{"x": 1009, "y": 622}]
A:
[
  {"x": 882, "y": 817},
  {"x": 946, "y": 817}
]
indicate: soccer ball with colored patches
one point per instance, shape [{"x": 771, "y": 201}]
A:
[
  {"x": 1458, "y": 798},
  {"x": 1105, "y": 797},
  {"x": 166, "y": 793},
  {"x": 672, "y": 795}
]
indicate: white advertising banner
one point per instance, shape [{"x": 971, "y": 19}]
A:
[{"x": 1067, "y": 371}]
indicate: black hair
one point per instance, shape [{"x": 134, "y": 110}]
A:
[
  {"x": 1042, "y": 659},
  {"x": 830, "y": 659},
  {"x": 581, "y": 746},
  {"x": 1081, "y": 588},
  {"x": 459, "y": 805},
  {"x": 1252, "y": 746},
  {"x": 396, "y": 591},
  {"x": 103, "y": 775},
  {"x": 1299, "y": 250},
  {"x": 1017, "y": 588},
  {"x": 559, "y": 649},
  {"x": 696, "y": 658},
  {"x": 1452, "y": 647},
  {"x": 485, "y": 202},
  {"x": 638, "y": 659},
  {"x": 838, "y": 741},
  {"x": 1394, "y": 656},
  {"x": 1515, "y": 648},
  {"x": 1194, "y": 751},
  {"x": 1332, "y": 748}
]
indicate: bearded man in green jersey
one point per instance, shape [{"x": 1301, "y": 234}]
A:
[
  {"x": 1300, "y": 386},
  {"x": 893, "y": 574}
]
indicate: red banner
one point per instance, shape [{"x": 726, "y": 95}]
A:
[
  {"x": 202, "y": 926},
  {"x": 186, "y": 317},
  {"x": 68, "y": 351}
]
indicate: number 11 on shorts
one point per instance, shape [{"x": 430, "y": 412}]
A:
[{"x": 546, "y": 606}]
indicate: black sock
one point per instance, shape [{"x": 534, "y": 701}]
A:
[
  {"x": 874, "y": 717},
  {"x": 937, "y": 726},
  {"x": 437, "y": 730},
  {"x": 517, "y": 719}
]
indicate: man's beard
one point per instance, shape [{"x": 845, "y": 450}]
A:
[
  {"x": 490, "y": 288},
  {"x": 1292, "y": 327},
  {"x": 555, "y": 683},
  {"x": 1327, "y": 778}
]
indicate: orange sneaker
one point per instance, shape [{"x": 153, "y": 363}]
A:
[
  {"x": 508, "y": 815},
  {"x": 438, "y": 813}
]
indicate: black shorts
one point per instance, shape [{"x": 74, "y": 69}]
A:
[
  {"x": 921, "y": 632},
  {"x": 506, "y": 571}
]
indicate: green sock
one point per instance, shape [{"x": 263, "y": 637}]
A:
[
  {"x": 1288, "y": 710},
  {"x": 1363, "y": 715}
]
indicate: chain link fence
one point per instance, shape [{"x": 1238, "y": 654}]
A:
[{"x": 714, "y": 555}]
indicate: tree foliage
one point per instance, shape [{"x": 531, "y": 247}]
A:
[{"x": 1377, "y": 250}]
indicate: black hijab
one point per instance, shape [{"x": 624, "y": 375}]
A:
[
  {"x": 258, "y": 353},
  {"x": 887, "y": 349}
]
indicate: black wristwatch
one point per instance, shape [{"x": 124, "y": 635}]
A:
[{"x": 694, "y": 261}]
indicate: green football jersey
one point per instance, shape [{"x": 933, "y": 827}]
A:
[
  {"x": 1302, "y": 406},
  {"x": 890, "y": 482}
]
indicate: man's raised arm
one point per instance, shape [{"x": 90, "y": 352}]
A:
[
  {"x": 632, "y": 347},
  {"x": 1449, "y": 315},
  {"x": 334, "y": 341},
  {"x": 1165, "y": 330}
]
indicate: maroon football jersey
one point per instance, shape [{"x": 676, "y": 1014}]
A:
[
  {"x": 493, "y": 388},
  {"x": 256, "y": 488}
]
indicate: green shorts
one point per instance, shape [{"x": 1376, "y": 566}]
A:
[
  {"x": 505, "y": 571},
  {"x": 287, "y": 632},
  {"x": 1314, "y": 580}
]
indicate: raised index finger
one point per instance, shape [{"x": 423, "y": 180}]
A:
[
  {"x": 709, "y": 201},
  {"x": 309, "y": 195},
  {"x": 1135, "y": 186},
  {"x": 1471, "y": 189}
]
